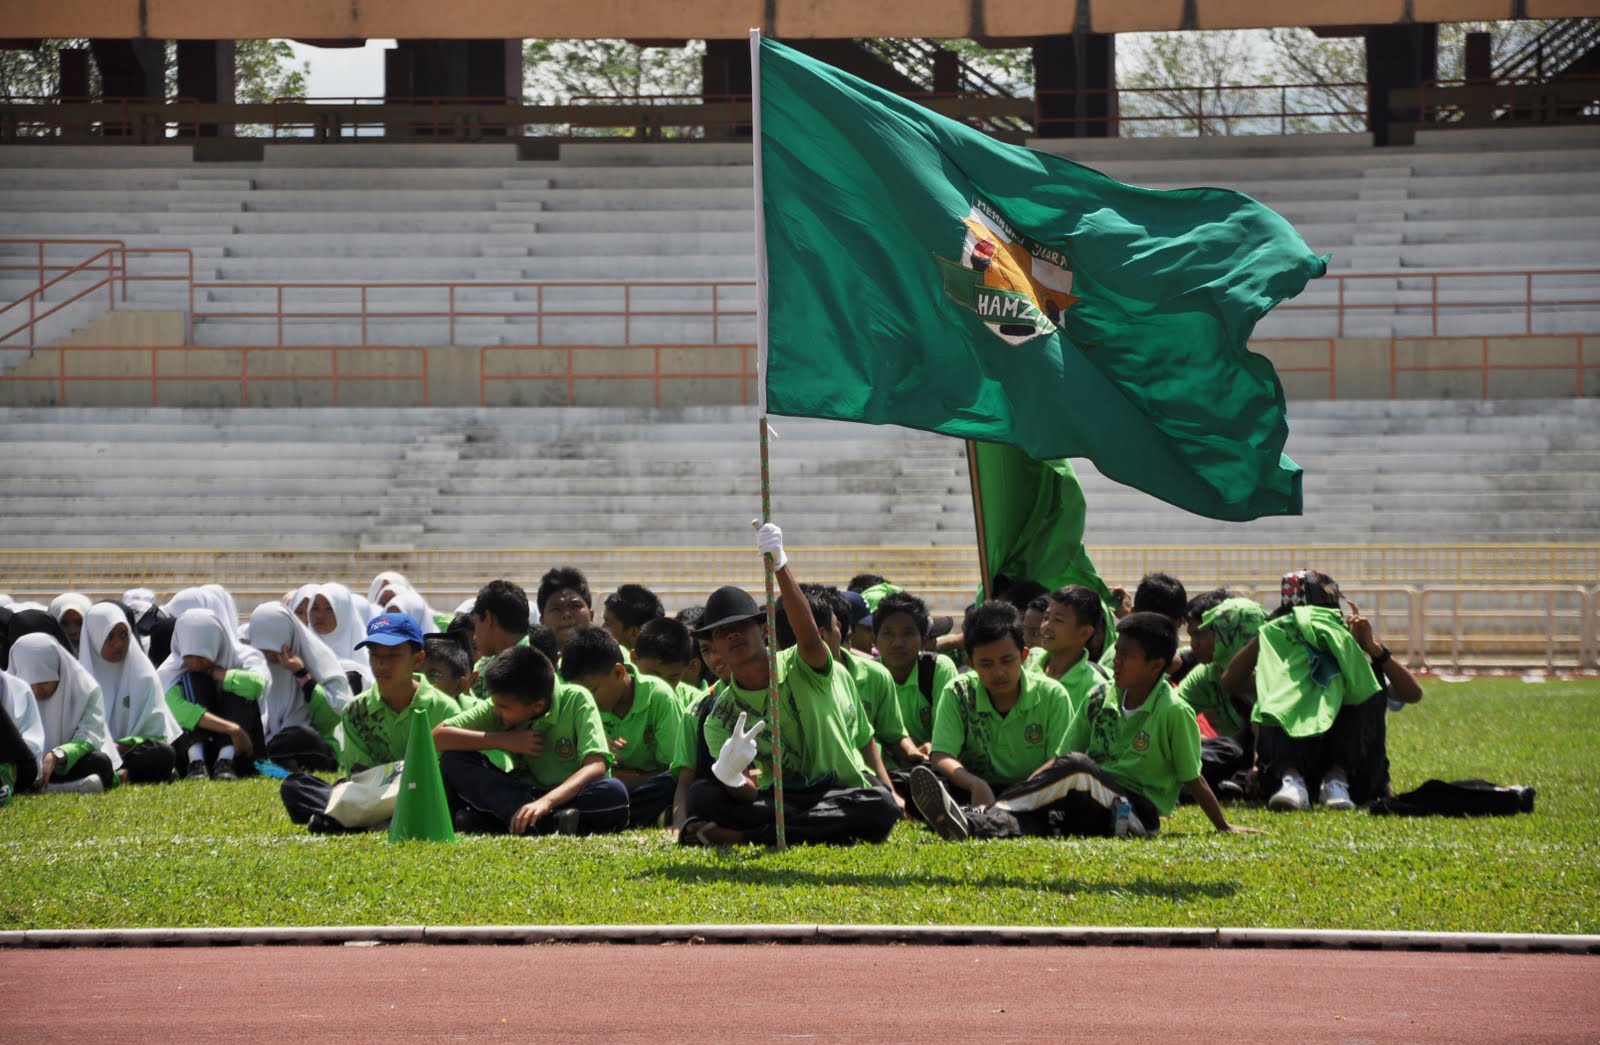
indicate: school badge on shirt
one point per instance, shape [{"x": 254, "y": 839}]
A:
[
  {"x": 1141, "y": 743},
  {"x": 1033, "y": 733},
  {"x": 564, "y": 748}
]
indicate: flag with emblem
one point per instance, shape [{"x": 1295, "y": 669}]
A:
[{"x": 914, "y": 271}]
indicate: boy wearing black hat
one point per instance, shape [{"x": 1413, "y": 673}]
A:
[{"x": 829, "y": 797}]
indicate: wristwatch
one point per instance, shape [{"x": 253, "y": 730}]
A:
[
  {"x": 1384, "y": 654},
  {"x": 59, "y": 754}
]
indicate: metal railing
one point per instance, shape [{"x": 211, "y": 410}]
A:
[
  {"x": 111, "y": 260},
  {"x": 572, "y": 369}
]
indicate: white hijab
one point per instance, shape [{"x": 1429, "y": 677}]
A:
[
  {"x": 16, "y": 696},
  {"x": 199, "y": 632},
  {"x": 273, "y": 627},
  {"x": 72, "y": 600},
  {"x": 136, "y": 703},
  {"x": 350, "y": 626},
  {"x": 75, "y": 711},
  {"x": 213, "y": 597},
  {"x": 413, "y": 605},
  {"x": 392, "y": 580}
]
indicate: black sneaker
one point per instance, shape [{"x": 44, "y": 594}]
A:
[
  {"x": 223, "y": 770},
  {"x": 197, "y": 771},
  {"x": 1230, "y": 790},
  {"x": 937, "y": 807},
  {"x": 567, "y": 821}
]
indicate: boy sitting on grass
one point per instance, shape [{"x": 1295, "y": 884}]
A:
[
  {"x": 828, "y": 795},
  {"x": 377, "y": 723},
  {"x": 901, "y": 628},
  {"x": 1071, "y": 616},
  {"x": 559, "y": 756},
  {"x": 641, "y": 719},
  {"x": 1132, "y": 747},
  {"x": 665, "y": 650},
  {"x": 996, "y": 726}
]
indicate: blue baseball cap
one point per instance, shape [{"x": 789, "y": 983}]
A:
[{"x": 391, "y": 629}]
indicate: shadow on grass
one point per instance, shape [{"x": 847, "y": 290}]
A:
[{"x": 748, "y": 874}]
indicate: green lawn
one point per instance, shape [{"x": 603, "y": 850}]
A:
[{"x": 225, "y": 855}]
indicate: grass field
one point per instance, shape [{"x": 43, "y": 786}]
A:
[{"x": 226, "y": 855}]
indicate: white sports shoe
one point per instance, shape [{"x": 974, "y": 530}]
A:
[
  {"x": 89, "y": 785},
  {"x": 1292, "y": 796},
  {"x": 1336, "y": 793}
]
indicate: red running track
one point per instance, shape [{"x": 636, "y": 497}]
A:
[{"x": 813, "y": 993}]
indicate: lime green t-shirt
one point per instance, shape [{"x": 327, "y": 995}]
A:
[
  {"x": 916, "y": 710},
  {"x": 374, "y": 733},
  {"x": 687, "y": 754},
  {"x": 689, "y": 695},
  {"x": 879, "y": 696},
  {"x": 823, "y": 727},
  {"x": 1002, "y": 749},
  {"x": 650, "y": 728},
  {"x": 1309, "y": 667},
  {"x": 1038, "y": 658},
  {"x": 572, "y": 732},
  {"x": 1154, "y": 750}
]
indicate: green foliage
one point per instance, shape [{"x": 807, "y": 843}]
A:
[
  {"x": 557, "y": 72},
  {"x": 225, "y": 855},
  {"x": 37, "y": 73},
  {"x": 265, "y": 70}
]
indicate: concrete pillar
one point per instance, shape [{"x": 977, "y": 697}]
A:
[
  {"x": 130, "y": 69},
  {"x": 724, "y": 71},
  {"x": 461, "y": 70},
  {"x": 74, "y": 74},
  {"x": 207, "y": 73},
  {"x": 1075, "y": 84},
  {"x": 1479, "y": 58},
  {"x": 946, "y": 72},
  {"x": 1398, "y": 56}
]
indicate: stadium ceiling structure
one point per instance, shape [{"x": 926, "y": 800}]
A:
[{"x": 1001, "y": 20}]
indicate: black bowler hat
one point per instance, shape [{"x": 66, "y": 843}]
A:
[{"x": 729, "y": 604}]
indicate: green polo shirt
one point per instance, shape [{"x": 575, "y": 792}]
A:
[
  {"x": 651, "y": 727},
  {"x": 1002, "y": 749},
  {"x": 572, "y": 732},
  {"x": 823, "y": 727},
  {"x": 375, "y": 733},
  {"x": 1201, "y": 689},
  {"x": 1154, "y": 750},
  {"x": 240, "y": 683},
  {"x": 687, "y": 754},
  {"x": 916, "y": 710},
  {"x": 689, "y": 695},
  {"x": 879, "y": 697}
]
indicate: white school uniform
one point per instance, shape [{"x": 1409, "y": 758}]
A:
[
  {"x": 135, "y": 702},
  {"x": 76, "y": 710},
  {"x": 273, "y": 627}
]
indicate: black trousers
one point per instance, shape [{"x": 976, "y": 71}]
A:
[
  {"x": 471, "y": 780},
  {"x": 1070, "y": 796},
  {"x": 95, "y": 763},
  {"x": 1353, "y": 743},
  {"x": 304, "y": 795},
  {"x": 149, "y": 762},
  {"x": 822, "y": 817},
  {"x": 301, "y": 748},
  {"x": 651, "y": 797},
  {"x": 246, "y": 714}
]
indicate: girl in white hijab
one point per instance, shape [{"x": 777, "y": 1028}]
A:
[
  {"x": 407, "y": 601},
  {"x": 69, "y": 610},
  {"x": 213, "y": 684},
  {"x": 335, "y": 620},
  {"x": 80, "y": 755},
  {"x": 21, "y": 737},
  {"x": 137, "y": 716},
  {"x": 213, "y": 597},
  {"x": 307, "y": 690}
]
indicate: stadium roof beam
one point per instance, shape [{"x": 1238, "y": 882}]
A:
[{"x": 723, "y": 19}]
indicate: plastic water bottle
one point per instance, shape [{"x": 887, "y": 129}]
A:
[{"x": 1121, "y": 817}]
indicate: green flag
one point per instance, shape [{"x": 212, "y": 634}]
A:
[
  {"x": 917, "y": 272},
  {"x": 1032, "y": 518}
]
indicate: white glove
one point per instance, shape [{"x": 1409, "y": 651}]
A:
[
  {"x": 769, "y": 541},
  {"x": 738, "y": 751}
]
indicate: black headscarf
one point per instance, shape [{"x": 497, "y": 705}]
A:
[{"x": 27, "y": 622}]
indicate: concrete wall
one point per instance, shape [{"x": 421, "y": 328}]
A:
[
  {"x": 725, "y": 19},
  {"x": 112, "y": 375}
]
